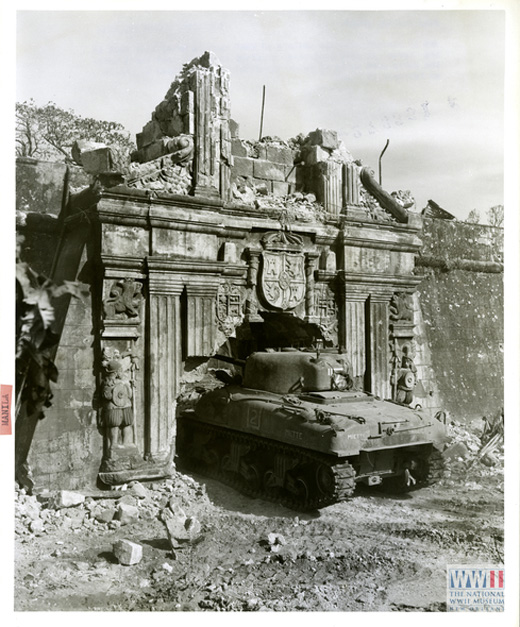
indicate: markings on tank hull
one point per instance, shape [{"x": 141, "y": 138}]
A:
[
  {"x": 253, "y": 418},
  {"x": 295, "y": 435}
]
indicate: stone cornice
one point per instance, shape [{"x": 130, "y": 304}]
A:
[
  {"x": 117, "y": 266},
  {"x": 384, "y": 281},
  {"x": 380, "y": 237},
  {"x": 183, "y": 265}
]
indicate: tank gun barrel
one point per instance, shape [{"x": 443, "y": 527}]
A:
[{"x": 231, "y": 360}]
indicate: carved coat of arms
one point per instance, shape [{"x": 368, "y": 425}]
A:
[{"x": 283, "y": 279}]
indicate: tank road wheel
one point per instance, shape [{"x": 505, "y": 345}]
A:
[
  {"x": 270, "y": 484},
  {"x": 211, "y": 459},
  {"x": 325, "y": 480},
  {"x": 303, "y": 491},
  {"x": 252, "y": 476}
]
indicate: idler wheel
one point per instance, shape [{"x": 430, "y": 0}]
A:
[{"x": 325, "y": 479}]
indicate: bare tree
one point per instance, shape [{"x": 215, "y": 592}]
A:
[
  {"x": 495, "y": 215},
  {"x": 473, "y": 217},
  {"x": 49, "y": 132}
]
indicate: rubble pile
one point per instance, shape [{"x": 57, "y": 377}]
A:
[
  {"x": 97, "y": 511},
  {"x": 475, "y": 451},
  {"x": 298, "y": 207}
]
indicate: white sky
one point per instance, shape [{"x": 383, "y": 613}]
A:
[{"x": 367, "y": 75}]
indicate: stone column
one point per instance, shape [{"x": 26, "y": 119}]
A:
[
  {"x": 164, "y": 363},
  {"x": 379, "y": 359}
]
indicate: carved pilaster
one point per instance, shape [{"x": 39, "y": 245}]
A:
[
  {"x": 201, "y": 320},
  {"x": 164, "y": 371},
  {"x": 379, "y": 359},
  {"x": 252, "y": 281},
  {"x": 210, "y": 86},
  {"x": 331, "y": 187},
  {"x": 310, "y": 262},
  {"x": 354, "y": 334},
  {"x": 350, "y": 184},
  {"x": 401, "y": 326}
]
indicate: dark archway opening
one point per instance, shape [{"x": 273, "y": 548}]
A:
[{"x": 274, "y": 331}]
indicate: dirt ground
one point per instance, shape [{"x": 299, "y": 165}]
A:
[{"x": 375, "y": 552}]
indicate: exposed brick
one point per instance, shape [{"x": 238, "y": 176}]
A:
[
  {"x": 281, "y": 155},
  {"x": 238, "y": 148}
]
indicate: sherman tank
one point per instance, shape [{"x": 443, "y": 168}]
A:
[{"x": 295, "y": 431}]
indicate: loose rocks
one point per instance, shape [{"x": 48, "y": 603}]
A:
[
  {"x": 65, "y": 498},
  {"x": 127, "y": 514},
  {"x": 127, "y": 552}
]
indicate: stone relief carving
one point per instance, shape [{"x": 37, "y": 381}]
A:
[
  {"x": 404, "y": 198},
  {"x": 124, "y": 300},
  {"x": 229, "y": 307},
  {"x": 117, "y": 391},
  {"x": 283, "y": 278},
  {"x": 404, "y": 376},
  {"x": 401, "y": 307},
  {"x": 162, "y": 174},
  {"x": 327, "y": 312}
]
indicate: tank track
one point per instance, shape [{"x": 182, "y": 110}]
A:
[
  {"x": 339, "y": 475},
  {"x": 436, "y": 467},
  {"x": 430, "y": 472}
]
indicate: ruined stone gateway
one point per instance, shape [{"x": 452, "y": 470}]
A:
[{"x": 210, "y": 244}]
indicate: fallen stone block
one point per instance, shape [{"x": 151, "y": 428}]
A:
[
  {"x": 127, "y": 552},
  {"x": 193, "y": 527},
  {"x": 314, "y": 154},
  {"x": 105, "y": 515},
  {"x": 276, "y": 539},
  {"x": 93, "y": 156},
  {"x": 65, "y": 498},
  {"x": 127, "y": 514},
  {"x": 177, "y": 510},
  {"x": 139, "y": 490},
  {"x": 459, "y": 449},
  {"x": 37, "y": 526},
  {"x": 127, "y": 499},
  {"x": 174, "y": 528},
  {"x": 324, "y": 138},
  {"x": 30, "y": 508}
]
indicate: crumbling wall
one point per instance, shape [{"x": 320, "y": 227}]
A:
[
  {"x": 39, "y": 185},
  {"x": 460, "y": 323},
  {"x": 67, "y": 446}
]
